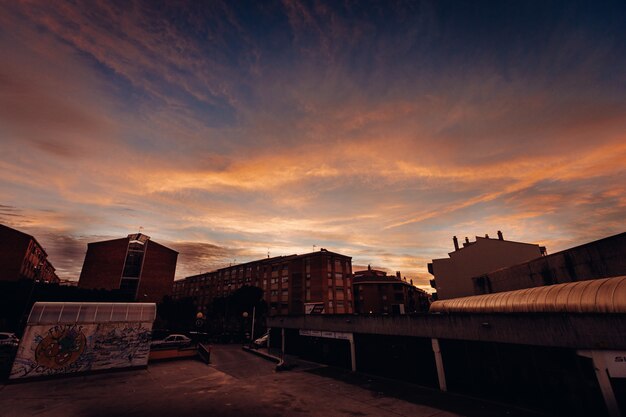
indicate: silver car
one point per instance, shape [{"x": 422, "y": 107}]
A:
[
  {"x": 171, "y": 341},
  {"x": 9, "y": 339}
]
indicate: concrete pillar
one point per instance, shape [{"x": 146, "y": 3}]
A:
[
  {"x": 599, "y": 366},
  {"x": 441, "y": 375},
  {"x": 352, "y": 352}
]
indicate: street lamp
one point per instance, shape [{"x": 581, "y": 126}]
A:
[{"x": 245, "y": 315}]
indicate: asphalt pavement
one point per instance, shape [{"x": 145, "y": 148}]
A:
[{"x": 236, "y": 384}]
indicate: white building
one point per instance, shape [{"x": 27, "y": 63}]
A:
[{"x": 453, "y": 275}]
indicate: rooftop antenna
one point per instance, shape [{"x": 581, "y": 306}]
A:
[
  {"x": 140, "y": 229},
  {"x": 314, "y": 246},
  {"x": 268, "y": 252}
]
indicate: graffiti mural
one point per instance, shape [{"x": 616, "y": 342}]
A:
[
  {"x": 61, "y": 347},
  {"x": 70, "y": 348}
]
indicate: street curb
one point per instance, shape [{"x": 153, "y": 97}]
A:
[{"x": 279, "y": 362}]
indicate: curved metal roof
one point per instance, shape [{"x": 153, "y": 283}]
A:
[
  {"x": 607, "y": 295},
  {"x": 70, "y": 313}
]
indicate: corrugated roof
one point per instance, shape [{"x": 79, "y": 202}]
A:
[
  {"x": 607, "y": 295},
  {"x": 70, "y": 313}
]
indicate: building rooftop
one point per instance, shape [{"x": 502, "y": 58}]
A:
[{"x": 606, "y": 295}]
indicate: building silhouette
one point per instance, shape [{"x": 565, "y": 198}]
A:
[
  {"x": 22, "y": 257},
  {"x": 453, "y": 275},
  {"x": 136, "y": 265},
  {"x": 296, "y": 284},
  {"x": 375, "y": 292},
  {"x": 602, "y": 258}
]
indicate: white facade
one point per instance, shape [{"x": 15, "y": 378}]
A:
[{"x": 453, "y": 275}]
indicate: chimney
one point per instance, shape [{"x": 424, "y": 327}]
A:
[
  {"x": 486, "y": 236},
  {"x": 398, "y": 275},
  {"x": 456, "y": 242},
  {"x": 500, "y": 235}
]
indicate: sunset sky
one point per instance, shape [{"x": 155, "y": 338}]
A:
[{"x": 374, "y": 129}]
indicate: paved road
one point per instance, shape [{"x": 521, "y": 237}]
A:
[{"x": 236, "y": 384}]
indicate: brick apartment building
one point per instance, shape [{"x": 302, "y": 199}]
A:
[
  {"x": 290, "y": 283},
  {"x": 136, "y": 265},
  {"x": 22, "y": 257},
  {"x": 375, "y": 292}
]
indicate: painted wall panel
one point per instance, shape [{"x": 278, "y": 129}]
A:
[{"x": 56, "y": 349}]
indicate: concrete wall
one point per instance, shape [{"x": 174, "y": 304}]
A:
[
  {"x": 47, "y": 350},
  {"x": 531, "y": 360},
  {"x": 600, "y": 259},
  {"x": 578, "y": 331}
]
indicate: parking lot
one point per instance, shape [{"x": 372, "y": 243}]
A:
[{"x": 236, "y": 383}]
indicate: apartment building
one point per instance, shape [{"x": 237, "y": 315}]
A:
[
  {"x": 375, "y": 292},
  {"x": 453, "y": 275},
  {"x": 22, "y": 257},
  {"x": 290, "y": 283}
]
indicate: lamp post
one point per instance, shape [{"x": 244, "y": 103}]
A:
[
  {"x": 252, "y": 331},
  {"x": 245, "y": 316}
]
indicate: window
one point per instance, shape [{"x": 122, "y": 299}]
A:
[
  {"x": 338, "y": 265},
  {"x": 284, "y": 280},
  {"x": 330, "y": 294},
  {"x": 132, "y": 266}
]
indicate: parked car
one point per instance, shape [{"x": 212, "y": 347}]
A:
[
  {"x": 9, "y": 339},
  {"x": 171, "y": 341},
  {"x": 261, "y": 341}
]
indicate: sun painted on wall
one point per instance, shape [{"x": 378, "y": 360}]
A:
[{"x": 61, "y": 347}]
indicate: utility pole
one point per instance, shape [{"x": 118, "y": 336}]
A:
[{"x": 253, "y": 318}]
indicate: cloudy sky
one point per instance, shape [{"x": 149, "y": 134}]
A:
[{"x": 375, "y": 129}]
